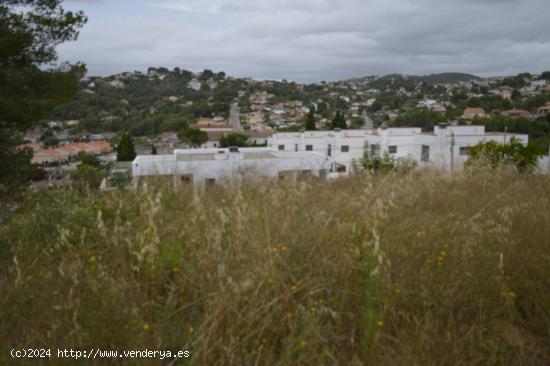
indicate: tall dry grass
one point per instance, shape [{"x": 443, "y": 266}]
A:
[{"x": 381, "y": 270}]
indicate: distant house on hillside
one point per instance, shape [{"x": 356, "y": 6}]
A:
[
  {"x": 66, "y": 152},
  {"x": 506, "y": 92},
  {"x": 516, "y": 113},
  {"x": 471, "y": 113},
  {"x": 543, "y": 111},
  {"x": 428, "y": 103},
  {"x": 438, "y": 108},
  {"x": 194, "y": 85},
  {"x": 169, "y": 137}
]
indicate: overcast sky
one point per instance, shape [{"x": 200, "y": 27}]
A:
[{"x": 314, "y": 40}]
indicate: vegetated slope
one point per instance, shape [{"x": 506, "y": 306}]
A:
[
  {"x": 383, "y": 270},
  {"x": 448, "y": 78}
]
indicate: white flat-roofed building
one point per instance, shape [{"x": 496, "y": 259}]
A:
[
  {"x": 199, "y": 166},
  {"x": 445, "y": 148}
]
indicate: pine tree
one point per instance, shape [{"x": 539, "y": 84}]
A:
[
  {"x": 310, "y": 120},
  {"x": 339, "y": 121},
  {"x": 30, "y": 89},
  {"x": 125, "y": 150}
]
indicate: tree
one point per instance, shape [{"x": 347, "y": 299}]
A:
[
  {"x": 322, "y": 108},
  {"x": 515, "y": 154},
  {"x": 206, "y": 75},
  {"x": 48, "y": 138},
  {"x": 234, "y": 139},
  {"x": 89, "y": 159},
  {"x": 310, "y": 120},
  {"x": 545, "y": 75},
  {"x": 339, "y": 121},
  {"x": 87, "y": 176},
  {"x": 374, "y": 162},
  {"x": 125, "y": 150},
  {"x": 193, "y": 137},
  {"x": 29, "y": 90}
]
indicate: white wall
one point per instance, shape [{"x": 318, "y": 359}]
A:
[
  {"x": 408, "y": 141},
  {"x": 205, "y": 164}
]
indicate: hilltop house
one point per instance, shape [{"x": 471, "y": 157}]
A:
[
  {"x": 194, "y": 85},
  {"x": 439, "y": 108},
  {"x": 506, "y": 92},
  {"x": 471, "y": 113},
  {"x": 516, "y": 113},
  {"x": 543, "y": 111}
]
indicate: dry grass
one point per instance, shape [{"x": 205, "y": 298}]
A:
[{"x": 389, "y": 270}]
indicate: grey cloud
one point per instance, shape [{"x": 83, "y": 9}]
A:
[{"x": 311, "y": 40}]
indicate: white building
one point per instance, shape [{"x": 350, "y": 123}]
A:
[
  {"x": 446, "y": 148},
  {"x": 427, "y": 103},
  {"x": 206, "y": 166},
  {"x": 195, "y": 85}
]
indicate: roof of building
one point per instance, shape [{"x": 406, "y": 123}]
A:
[
  {"x": 95, "y": 147},
  {"x": 474, "y": 110},
  {"x": 515, "y": 112}
]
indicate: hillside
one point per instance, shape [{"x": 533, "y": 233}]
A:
[
  {"x": 380, "y": 270},
  {"x": 448, "y": 78}
]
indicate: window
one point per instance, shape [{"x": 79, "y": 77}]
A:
[
  {"x": 392, "y": 149},
  {"x": 340, "y": 168},
  {"x": 309, "y": 147},
  {"x": 187, "y": 179},
  {"x": 464, "y": 150},
  {"x": 425, "y": 156},
  {"x": 210, "y": 181},
  {"x": 281, "y": 147},
  {"x": 329, "y": 150},
  {"x": 374, "y": 148},
  {"x": 295, "y": 147},
  {"x": 344, "y": 148}
]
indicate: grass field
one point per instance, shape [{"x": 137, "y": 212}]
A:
[{"x": 420, "y": 269}]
